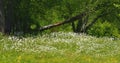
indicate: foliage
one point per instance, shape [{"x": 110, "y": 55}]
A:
[
  {"x": 30, "y": 15},
  {"x": 59, "y": 47},
  {"x": 101, "y": 29}
]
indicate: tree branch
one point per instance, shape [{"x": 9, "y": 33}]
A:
[
  {"x": 95, "y": 20},
  {"x": 72, "y": 19}
]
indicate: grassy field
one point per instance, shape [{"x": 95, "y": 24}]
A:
[{"x": 59, "y": 47}]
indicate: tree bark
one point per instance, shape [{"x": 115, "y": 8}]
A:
[
  {"x": 73, "y": 26},
  {"x": 79, "y": 25},
  {"x": 9, "y": 17},
  {"x": 83, "y": 28},
  {"x": 64, "y": 22},
  {"x": 2, "y": 20}
]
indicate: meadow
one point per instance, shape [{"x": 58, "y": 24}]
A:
[{"x": 59, "y": 47}]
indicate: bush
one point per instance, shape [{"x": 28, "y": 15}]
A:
[{"x": 104, "y": 29}]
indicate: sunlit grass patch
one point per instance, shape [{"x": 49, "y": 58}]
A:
[{"x": 59, "y": 47}]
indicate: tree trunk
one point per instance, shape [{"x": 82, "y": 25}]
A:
[
  {"x": 2, "y": 20},
  {"x": 9, "y": 17},
  {"x": 79, "y": 25},
  {"x": 85, "y": 21},
  {"x": 73, "y": 26}
]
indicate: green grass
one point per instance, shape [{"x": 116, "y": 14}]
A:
[{"x": 59, "y": 48}]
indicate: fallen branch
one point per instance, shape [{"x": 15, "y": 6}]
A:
[{"x": 72, "y": 19}]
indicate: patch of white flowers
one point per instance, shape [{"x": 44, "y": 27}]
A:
[{"x": 60, "y": 41}]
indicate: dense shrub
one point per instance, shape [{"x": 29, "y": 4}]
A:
[{"x": 104, "y": 29}]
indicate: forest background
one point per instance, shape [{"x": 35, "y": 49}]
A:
[{"x": 94, "y": 17}]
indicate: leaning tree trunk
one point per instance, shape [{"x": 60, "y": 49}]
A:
[
  {"x": 72, "y": 19},
  {"x": 96, "y": 19},
  {"x": 2, "y": 21}
]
